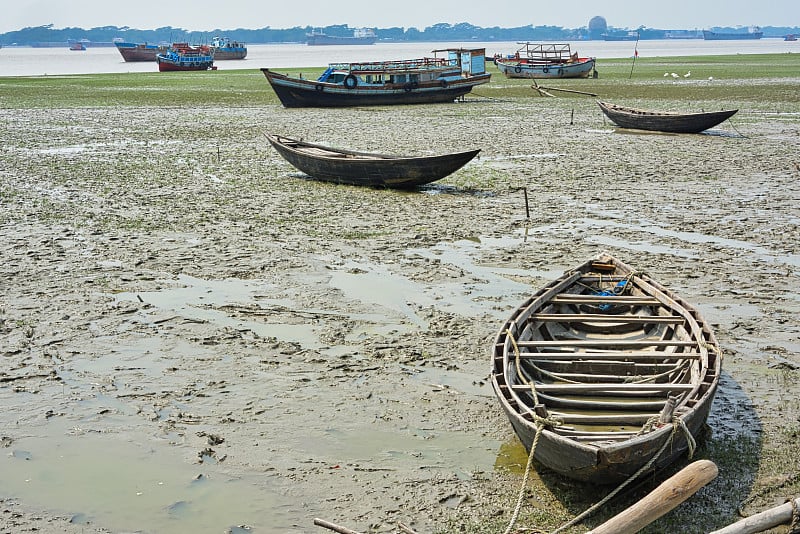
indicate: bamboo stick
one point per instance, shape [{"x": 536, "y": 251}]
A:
[
  {"x": 760, "y": 522},
  {"x": 567, "y": 90},
  {"x": 661, "y": 500},
  {"x": 334, "y": 527}
]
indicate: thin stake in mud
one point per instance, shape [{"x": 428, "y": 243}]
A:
[{"x": 527, "y": 207}]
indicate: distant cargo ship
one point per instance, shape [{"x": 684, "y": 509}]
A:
[
  {"x": 139, "y": 51},
  {"x": 361, "y": 36},
  {"x": 714, "y": 36},
  {"x": 224, "y": 48}
]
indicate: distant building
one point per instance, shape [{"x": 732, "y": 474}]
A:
[{"x": 597, "y": 27}]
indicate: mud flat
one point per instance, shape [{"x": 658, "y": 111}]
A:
[{"x": 196, "y": 338}]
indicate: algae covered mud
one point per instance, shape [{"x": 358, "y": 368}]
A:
[{"x": 197, "y": 338}]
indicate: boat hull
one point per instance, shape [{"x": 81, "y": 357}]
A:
[
  {"x": 132, "y": 52},
  {"x": 366, "y": 169},
  {"x": 230, "y": 53},
  {"x": 624, "y": 381},
  {"x": 659, "y": 121},
  {"x": 296, "y": 92},
  {"x": 170, "y": 66},
  {"x": 714, "y": 36},
  {"x": 329, "y": 40},
  {"x": 519, "y": 69}
]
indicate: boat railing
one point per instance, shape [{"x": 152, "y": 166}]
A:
[
  {"x": 405, "y": 64},
  {"x": 545, "y": 52}
]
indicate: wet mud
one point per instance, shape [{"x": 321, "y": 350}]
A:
[{"x": 196, "y": 337}]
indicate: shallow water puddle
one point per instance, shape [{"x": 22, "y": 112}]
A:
[
  {"x": 689, "y": 237},
  {"x": 113, "y": 480},
  {"x": 376, "y": 284},
  {"x": 196, "y": 299}
]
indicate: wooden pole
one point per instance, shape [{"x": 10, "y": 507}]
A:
[
  {"x": 635, "y": 55},
  {"x": 334, "y": 527},
  {"x": 661, "y": 500},
  {"x": 542, "y": 87},
  {"x": 762, "y": 521},
  {"x": 527, "y": 207}
]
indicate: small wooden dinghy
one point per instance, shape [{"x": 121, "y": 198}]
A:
[
  {"x": 363, "y": 168},
  {"x": 664, "y": 121},
  {"x": 612, "y": 365}
]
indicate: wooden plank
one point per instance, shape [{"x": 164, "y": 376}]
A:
[
  {"x": 605, "y": 387},
  {"x": 661, "y": 500},
  {"x": 607, "y": 318},
  {"x": 570, "y": 298},
  {"x": 610, "y": 356},
  {"x": 621, "y": 343},
  {"x": 585, "y": 419}
]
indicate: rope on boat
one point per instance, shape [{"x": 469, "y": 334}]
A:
[
  {"x": 542, "y": 422},
  {"x": 676, "y": 423}
]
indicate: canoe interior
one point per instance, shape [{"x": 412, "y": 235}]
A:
[{"x": 605, "y": 350}]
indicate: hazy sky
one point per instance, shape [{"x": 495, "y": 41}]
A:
[{"x": 204, "y": 15}]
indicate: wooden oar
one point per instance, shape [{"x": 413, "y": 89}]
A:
[
  {"x": 760, "y": 522},
  {"x": 661, "y": 500}
]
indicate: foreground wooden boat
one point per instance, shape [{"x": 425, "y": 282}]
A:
[
  {"x": 362, "y": 168},
  {"x": 552, "y": 60},
  {"x": 614, "y": 357},
  {"x": 382, "y": 83},
  {"x": 664, "y": 121}
]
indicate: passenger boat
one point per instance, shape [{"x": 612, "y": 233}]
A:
[
  {"x": 77, "y": 45},
  {"x": 664, "y": 121},
  {"x": 551, "y": 60},
  {"x": 182, "y": 57},
  {"x": 411, "y": 81},
  {"x": 367, "y": 169},
  {"x": 223, "y": 49},
  {"x": 361, "y": 36},
  {"x": 139, "y": 51},
  {"x": 616, "y": 372}
]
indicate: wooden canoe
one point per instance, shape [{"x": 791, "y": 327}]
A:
[
  {"x": 613, "y": 361},
  {"x": 365, "y": 168},
  {"x": 664, "y": 121}
]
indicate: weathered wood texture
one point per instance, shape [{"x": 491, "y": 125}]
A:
[{"x": 661, "y": 500}]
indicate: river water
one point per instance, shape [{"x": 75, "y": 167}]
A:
[{"x": 25, "y": 61}]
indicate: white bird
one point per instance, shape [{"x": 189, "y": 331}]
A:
[
  {"x": 666, "y": 74},
  {"x": 687, "y": 74},
  {"x": 674, "y": 75},
  {"x": 710, "y": 78}
]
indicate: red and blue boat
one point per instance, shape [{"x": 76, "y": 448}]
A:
[{"x": 183, "y": 57}]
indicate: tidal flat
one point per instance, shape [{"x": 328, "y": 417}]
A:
[{"x": 195, "y": 337}]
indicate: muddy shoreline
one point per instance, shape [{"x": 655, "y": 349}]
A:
[{"x": 195, "y": 337}]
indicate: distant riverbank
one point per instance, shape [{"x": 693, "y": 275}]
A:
[{"x": 26, "y": 61}]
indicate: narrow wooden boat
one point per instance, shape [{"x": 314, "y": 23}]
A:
[
  {"x": 664, "y": 121},
  {"x": 430, "y": 80},
  {"x": 368, "y": 169},
  {"x": 612, "y": 365}
]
